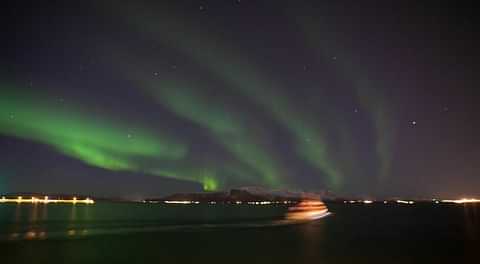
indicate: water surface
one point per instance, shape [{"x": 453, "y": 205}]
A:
[{"x": 143, "y": 233}]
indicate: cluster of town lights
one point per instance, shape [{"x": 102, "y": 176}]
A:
[
  {"x": 87, "y": 200},
  {"x": 46, "y": 200},
  {"x": 236, "y": 202},
  {"x": 359, "y": 201},
  {"x": 409, "y": 202},
  {"x": 459, "y": 201},
  {"x": 182, "y": 202}
]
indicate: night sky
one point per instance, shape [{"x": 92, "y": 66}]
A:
[{"x": 138, "y": 99}]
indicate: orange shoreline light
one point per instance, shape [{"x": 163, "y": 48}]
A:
[
  {"x": 46, "y": 200},
  {"x": 462, "y": 201}
]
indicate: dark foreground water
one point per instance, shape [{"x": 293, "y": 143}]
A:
[{"x": 143, "y": 233}]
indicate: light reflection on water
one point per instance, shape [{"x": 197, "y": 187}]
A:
[
  {"x": 78, "y": 233},
  {"x": 375, "y": 233},
  {"x": 31, "y": 221},
  {"x": 42, "y": 221},
  {"x": 470, "y": 216}
]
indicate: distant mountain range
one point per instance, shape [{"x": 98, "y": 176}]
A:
[{"x": 244, "y": 194}]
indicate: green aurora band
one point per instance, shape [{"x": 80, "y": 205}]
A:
[
  {"x": 93, "y": 140},
  {"x": 103, "y": 143},
  {"x": 226, "y": 124},
  {"x": 327, "y": 44},
  {"x": 244, "y": 77}
]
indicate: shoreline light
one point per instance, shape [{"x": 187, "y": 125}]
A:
[
  {"x": 228, "y": 202},
  {"x": 405, "y": 202},
  {"x": 462, "y": 201},
  {"x": 181, "y": 202},
  {"x": 46, "y": 200}
]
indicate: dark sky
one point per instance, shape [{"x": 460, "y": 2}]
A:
[{"x": 140, "y": 99}]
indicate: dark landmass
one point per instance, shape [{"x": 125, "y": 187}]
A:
[
  {"x": 244, "y": 194},
  {"x": 248, "y": 194}
]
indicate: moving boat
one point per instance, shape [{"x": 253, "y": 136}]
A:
[{"x": 307, "y": 210}]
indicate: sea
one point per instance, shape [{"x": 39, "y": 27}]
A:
[{"x": 122, "y": 232}]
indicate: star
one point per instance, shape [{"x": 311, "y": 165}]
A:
[
  {"x": 129, "y": 135},
  {"x": 334, "y": 58},
  {"x": 355, "y": 110},
  {"x": 445, "y": 109},
  {"x": 155, "y": 73},
  {"x": 12, "y": 116},
  {"x": 413, "y": 122},
  {"x": 202, "y": 8}
]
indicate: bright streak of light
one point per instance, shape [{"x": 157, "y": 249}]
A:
[
  {"x": 307, "y": 211},
  {"x": 405, "y": 202},
  {"x": 30, "y": 235},
  {"x": 46, "y": 200},
  {"x": 367, "y": 202},
  {"x": 462, "y": 201},
  {"x": 181, "y": 202}
]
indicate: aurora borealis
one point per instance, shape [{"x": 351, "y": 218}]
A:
[{"x": 303, "y": 95}]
